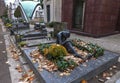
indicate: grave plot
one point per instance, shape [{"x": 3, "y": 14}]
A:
[
  {"x": 33, "y": 37},
  {"x": 19, "y": 28},
  {"x": 51, "y": 63},
  {"x": 39, "y": 32}
]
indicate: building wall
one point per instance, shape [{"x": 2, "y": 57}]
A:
[
  {"x": 67, "y": 12},
  {"x": 45, "y": 3},
  {"x": 55, "y": 10},
  {"x": 58, "y": 5},
  {"x": 92, "y": 16},
  {"x": 11, "y": 9},
  {"x": 38, "y": 12},
  {"x": 2, "y": 7},
  {"x": 118, "y": 22},
  {"x": 100, "y": 17}
]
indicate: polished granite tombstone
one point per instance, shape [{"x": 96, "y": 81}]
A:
[
  {"x": 31, "y": 34},
  {"x": 39, "y": 32},
  {"x": 36, "y": 42},
  {"x": 92, "y": 68},
  {"x": 18, "y": 26},
  {"x": 35, "y": 33},
  {"x": 39, "y": 26}
]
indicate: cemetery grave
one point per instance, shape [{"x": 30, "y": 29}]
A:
[
  {"x": 72, "y": 71},
  {"x": 33, "y": 36}
]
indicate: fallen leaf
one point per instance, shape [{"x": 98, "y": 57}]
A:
[
  {"x": 101, "y": 80},
  {"x": 19, "y": 68},
  {"x": 110, "y": 68},
  {"x": 1, "y": 42},
  {"x": 19, "y": 53},
  {"x": 67, "y": 74},
  {"x": 84, "y": 64},
  {"x": 84, "y": 81},
  {"x": 96, "y": 76},
  {"x": 114, "y": 67},
  {"x": 15, "y": 56},
  {"x": 30, "y": 72},
  {"x": 7, "y": 62},
  {"x": 111, "y": 73},
  {"x": 31, "y": 78},
  {"x": 61, "y": 74},
  {"x": 107, "y": 78},
  {"x": 25, "y": 75},
  {"x": 3, "y": 51},
  {"x": 23, "y": 82},
  {"x": 105, "y": 74}
]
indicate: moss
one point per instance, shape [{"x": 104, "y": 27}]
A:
[
  {"x": 8, "y": 25},
  {"x": 57, "y": 50},
  {"x": 22, "y": 43}
]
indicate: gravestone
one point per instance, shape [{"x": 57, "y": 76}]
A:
[{"x": 92, "y": 68}]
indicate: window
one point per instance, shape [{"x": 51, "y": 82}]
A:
[
  {"x": 78, "y": 14},
  {"x": 48, "y": 13}
]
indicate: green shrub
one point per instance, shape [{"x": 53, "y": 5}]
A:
[
  {"x": 52, "y": 24},
  {"x": 65, "y": 64},
  {"x": 42, "y": 47},
  {"x": 17, "y": 12}
]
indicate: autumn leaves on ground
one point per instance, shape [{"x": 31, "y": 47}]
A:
[{"x": 28, "y": 76}]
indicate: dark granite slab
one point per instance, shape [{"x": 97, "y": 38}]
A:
[
  {"x": 36, "y": 42},
  {"x": 35, "y": 33},
  {"x": 32, "y": 35},
  {"x": 93, "y": 68},
  {"x": 17, "y": 26}
]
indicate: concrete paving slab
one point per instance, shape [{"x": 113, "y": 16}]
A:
[
  {"x": 118, "y": 81},
  {"x": 115, "y": 78},
  {"x": 4, "y": 68},
  {"x": 111, "y": 43}
]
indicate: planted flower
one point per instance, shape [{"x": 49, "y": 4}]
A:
[
  {"x": 92, "y": 49},
  {"x": 8, "y": 25}
]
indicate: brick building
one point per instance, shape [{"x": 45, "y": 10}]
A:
[
  {"x": 92, "y": 17},
  {"x": 2, "y": 7}
]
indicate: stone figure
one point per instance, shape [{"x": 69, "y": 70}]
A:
[{"x": 62, "y": 39}]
